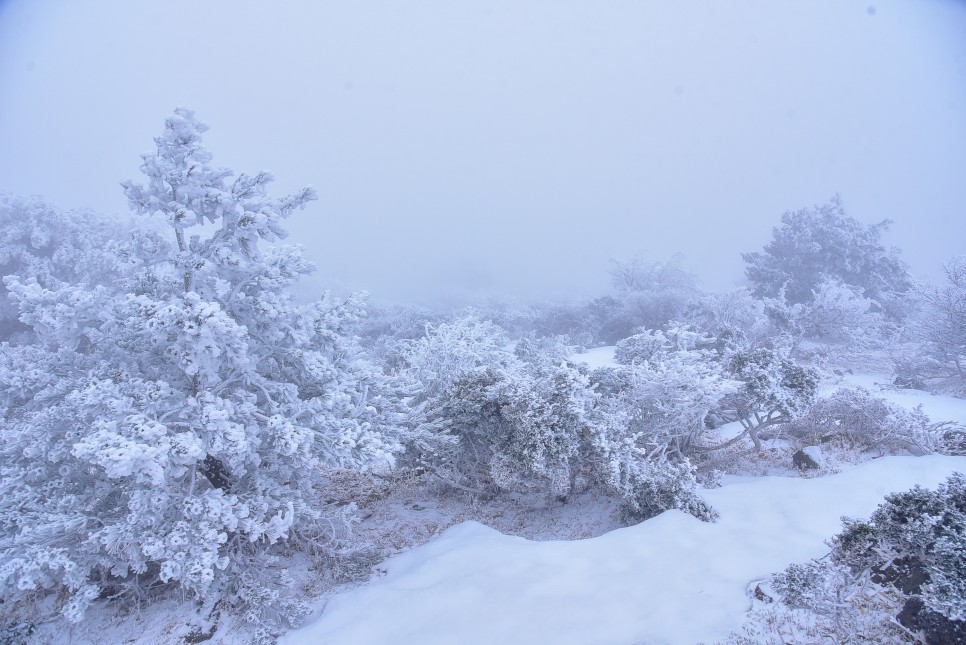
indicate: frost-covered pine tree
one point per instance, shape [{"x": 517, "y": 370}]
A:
[
  {"x": 174, "y": 421},
  {"x": 822, "y": 243}
]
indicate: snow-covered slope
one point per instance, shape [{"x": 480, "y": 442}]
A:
[
  {"x": 671, "y": 579},
  {"x": 939, "y": 407}
]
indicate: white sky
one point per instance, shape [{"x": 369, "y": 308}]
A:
[{"x": 479, "y": 147}]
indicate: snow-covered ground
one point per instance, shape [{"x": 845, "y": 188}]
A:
[
  {"x": 596, "y": 357},
  {"x": 671, "y": 579},
  {"x": 939, "y": 407}
]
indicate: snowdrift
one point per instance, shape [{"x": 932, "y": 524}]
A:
[{"x": 671, "y": 579}]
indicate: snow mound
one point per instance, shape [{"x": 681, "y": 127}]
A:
[
  {"x": 597, "y": 357},
  {"x": 671, "y": 579}
]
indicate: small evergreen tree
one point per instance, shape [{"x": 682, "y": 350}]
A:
[{"x": 174, "y": 421}]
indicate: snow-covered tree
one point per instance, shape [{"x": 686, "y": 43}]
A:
[
  {"x": 942, "y": 323},
  {"x": 821, "y": 243},
  {"x": 173, "y": 422},
  {"x": 774, "y": 389},
  {"x": 651, "y": 294}
]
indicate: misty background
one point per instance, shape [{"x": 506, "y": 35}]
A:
[{"x": 476, "y": 149}]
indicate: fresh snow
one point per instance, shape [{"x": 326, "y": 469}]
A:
[
  {"x": 597, "y": 357},
  {"x": 939, "y": 407},
  {"x": 671, "y": 579}
]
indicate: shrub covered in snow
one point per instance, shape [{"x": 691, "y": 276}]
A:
[
  {"x": 650, "y": 294},
  {"x": 517, "y": 418},
  {"x": 667, "y": 401},
  {"x": 530, "y": 419},
  {"x": 917, "y": 540},
  {"x": 53, "y": 247},
  {"x": 863, "y": 421},
  {"x": 900, "y": 576},
  {"x": 654, "y": 346},
  {"x": 837, "y": 313}
]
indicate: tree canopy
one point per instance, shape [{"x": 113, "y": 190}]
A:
[{"x": 816, "y": 244}]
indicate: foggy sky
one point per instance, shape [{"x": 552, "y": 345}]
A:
[{"x": 479, "y": 148}]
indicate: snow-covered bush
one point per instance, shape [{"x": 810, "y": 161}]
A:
[
  {"x": 840, "y": 312},
  {"x": 900, "y": 576},
  {"x": 579, "y": 323},
  {"x": 387, "y": 330},
  {"x": 654, "y": 346},
  {"x": 921, "y": 536},
  {"x": 51, "y": 246},
  {"x": 635, "y": 460},
  {"x": 449, "y": 352},
  {"x": 658, "y": 485},
  {"x": 530, "y": 419},
  {"x": 735, "y": 319},
  {"x": 651, "y": 419},
  {"x": 822, "y": 602},
  {"x": 679, "y": 381},
  {"x": 516, "y": 417},
  {"x": 914, "y": 368},
  {"x": 172, "y": 423},
  {"x": 837, "y": 313},
  {"x": 547, "y": 413},
  {"x": 667, "y": 398},
  {"x": 863, "y": 421}
]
